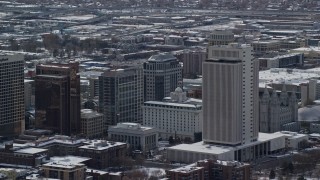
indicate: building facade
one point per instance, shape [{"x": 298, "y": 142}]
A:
[
  {"x": 92, "y": 123},
  {"x": 230, "y": 95},
  {"x": 64, "y": 171},
  {"x": 121, "y": 95},
  {"x": 103, "y": 153},
  {"x": 57, "y": 102},
  {"x": 176, "y": 116},
  {"x": 28, "y": 94},
  {"x": 22, "y": 155},
  {"x": 284, "y": 61},
  {"x": 11, "y": 94},
  {"x": 278, "y": 112},
  {"x": 138, "y": 137},
  {"x": 192, "y": 62},
  {"x": 162, "y": 75},
  {"x": 212, "y": 170}
]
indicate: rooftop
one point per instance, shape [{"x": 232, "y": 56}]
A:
[
  {"x": 282, "y": 75},
  {"x": 201, "y": 147},
  {"x": 89, "y": 113},
  {"x": 68, "y": 159},
  {"x": 100, "y": 145},
  {"x": 187, "y": 169},
  {"x": 188, "y": 104},
  {"x": 131, "y": 126},
  {"x": 31, "y": 150},
  {"x": 162, "y": 57}
]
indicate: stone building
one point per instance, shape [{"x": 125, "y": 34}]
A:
[{"x": 278, "y": 112}]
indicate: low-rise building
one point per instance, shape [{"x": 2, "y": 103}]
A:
[
  {"x": 282, "y": 61},
  {"x": 314, "y": 128},
  {"x": 16, "y": 154},
  {"x": 212, "y": 169},
  {"x": 266, "y": 144},
  {"x": 103, "y": 153},
  {"x": 65, "y": 168},
  {"x": 176, "y": 116},
  {"x": 138, "y": 137},
  {"x": 92, "y": 123},
  {"x": 294, "y": 140}
]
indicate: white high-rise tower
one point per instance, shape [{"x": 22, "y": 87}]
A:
[{"x": 230, "y": 95}]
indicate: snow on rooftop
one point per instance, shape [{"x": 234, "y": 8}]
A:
[
  {"x": 31, "y": 150},
  {"x": 68, "y": 159},
  {"x": 187, "y": 169},
  {"x": 201, "y": 147},
  {"x": 282, "y": 75},
  {"x": 100, "y": 145}
]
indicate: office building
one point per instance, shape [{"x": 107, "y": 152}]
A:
[
  {"x": 11, "y": 94},
  {"x": 57, "y": 102},
  {"x": 28, "y": 94},
  {"x": 231, "y": 111},
  {"x": 121, "y": 95},
  {"x": 92, "y": 123},
  {"x": 230, "y": 95},
  {"x": 162, "y": 75},
  {"x": 138, "y": 137},
  {"x": 176, "y": 116},
  {"x": 192, "y": 62}
]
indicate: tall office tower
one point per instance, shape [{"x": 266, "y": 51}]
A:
[
  {"x": 11, "y": 94},
  {"x": 230, "y": 95},
  {"x": 192, "y": 62},
  {"x": 58, "y": 97},
  {"x": 121, "y": 95},
  {"x": 162, "y": 75}
]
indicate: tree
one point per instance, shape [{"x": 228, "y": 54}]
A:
[
  {"x": 139, "y": 160},
  {"x": 301, "y": 177},
  {"x": 51, "y": 41},
  {"x": 171, "y": 140},
  {"x": 290, "y": 167},
  {"x": 272, "y": 174},
  {"x": 55, "y": 53},
  {"x": 187, "y": 140},
  {"x": 14, "y": 44}
]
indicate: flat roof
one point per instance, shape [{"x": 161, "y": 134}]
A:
[
  {"x": 200, "y": 147},
  {"x": 131, "y": 126},
  {"x": 185, "y": 105},
  {"x": 96, "y": 171},
  {"x": 282, "y": 75},
  {"x": 69, "y": 159},
  {"x": 100, "y": 145},
  {"x": 31, "y": 150},
  {"x": 62, "y": 165},
  {"x": 186, "y": 169}
]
